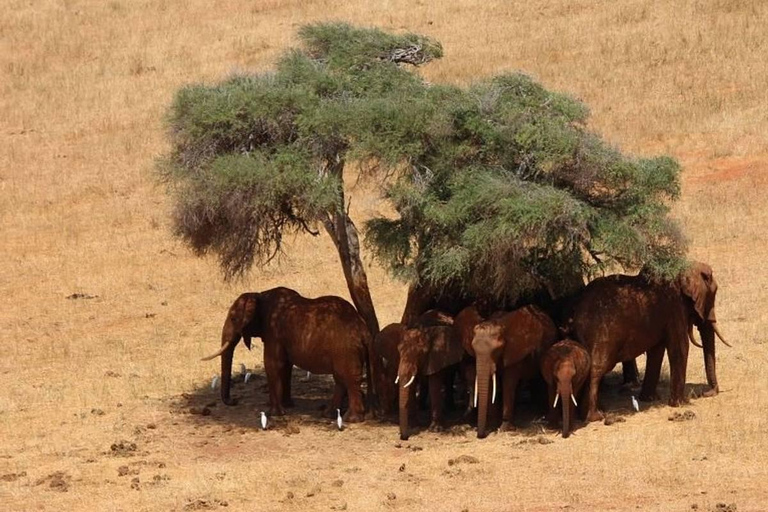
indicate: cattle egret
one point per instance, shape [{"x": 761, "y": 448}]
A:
[
  {"x": 263, "y": 420},
  {"x": 214, "y": 381},
  {"x": 247, "y": 377},
  {"x": 309, "y": 375},
  {"x": 635, "y": 404},
  {"x": 339, "y": 422}
]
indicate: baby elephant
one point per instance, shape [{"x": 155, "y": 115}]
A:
[{"x": 565, "y": 367}]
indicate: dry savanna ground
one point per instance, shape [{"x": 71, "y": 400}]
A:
[{"x": 99, "y": 393}]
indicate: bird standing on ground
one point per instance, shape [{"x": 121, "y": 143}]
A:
[
  {"x": 339, "y": 421},
  {"x": 247, "y": 377},
  {"x": 214, "y": 381},
  {"x": 635, "y": 404},
  {"x": 263, "y": 420}
]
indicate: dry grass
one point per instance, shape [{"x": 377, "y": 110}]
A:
[{"x": 83, "y": 87}]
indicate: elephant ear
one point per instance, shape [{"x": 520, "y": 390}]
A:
[
  {"x": 248, "y": 318},
  {"x": 445, "y": 349},
  {"x": 699, "y": 285}
]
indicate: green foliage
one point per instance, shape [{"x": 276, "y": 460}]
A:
[{"x": 499, "y": 188}]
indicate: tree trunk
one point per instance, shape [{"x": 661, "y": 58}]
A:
[{"x": 344, "y": 235}]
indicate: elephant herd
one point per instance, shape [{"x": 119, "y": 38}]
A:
[{"x": 569, "y": 344}]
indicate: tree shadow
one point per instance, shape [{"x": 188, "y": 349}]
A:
[{"x": 312, "y": 395}]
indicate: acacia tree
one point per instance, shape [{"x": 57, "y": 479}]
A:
[{"x": 499, "y": 187}]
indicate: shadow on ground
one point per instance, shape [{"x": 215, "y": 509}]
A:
[{"x": 312, "y": 396}]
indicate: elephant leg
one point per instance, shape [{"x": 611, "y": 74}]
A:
[
  {"x": 653, "y": 359},
  {"x": 595, "y": 375},
  {"x": 552, "y": 414},
  {"x": 423, "y": 393},
  {"x": 469, "y": 376},
  {"x": 677, "y": 352},
  {"x": 337, "y": 399},
  {"x": 448, "y": 381},
  {"x": 631, "y": 375},
  {"x": 356, "y": 411},
  {"x": 511, "y": 377},
  {"x": 436, "y": 399},
  {"x": 275, "y": 360},
  {"x": 287, "y": 372}
]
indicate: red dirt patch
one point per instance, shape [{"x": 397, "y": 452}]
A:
[{"x": 729, "y": 169}]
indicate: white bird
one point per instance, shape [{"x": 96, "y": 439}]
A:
[
  {"x": 214, "y": 381},
  {"x": 247, "y": 377},
  {"x": 635, "y": 404},
  {"x": 243, "y": 369},
  {"x": 309, "y": 374},
  {"x": 263, "y": 420},
  {"x": 339, "y": 422}
]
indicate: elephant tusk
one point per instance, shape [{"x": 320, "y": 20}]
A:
[
  {"x": 557, "y": 397},
  {"x": 410, "y": 381},
  {"x": 573, "y": 399},
  {"x": 397, "y": 379},
  {"x": 690, "y": 336},
  {"x": 717, "y": 331},
  {"x": 475, "y": 391},
  {"x": 493, "y": 396}
]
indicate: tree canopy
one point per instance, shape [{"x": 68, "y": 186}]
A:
[{"x": 499, "y": 187}]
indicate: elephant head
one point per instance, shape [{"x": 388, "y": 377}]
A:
[
  {"x": 243, "y": 321},
  {"x": 488, "y": 344},
  {"x": 423, "y": 351},
  {"x": 699, "y": 288}
]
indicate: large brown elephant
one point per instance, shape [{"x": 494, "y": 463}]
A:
[
  {"x": 565, "y": 368},
  {"x": 386, "y": 358},
  {"x": 619, "y": 317},
  {"x": 510, "y": 343},
  {"x": 426, "y": 351},
  {"x": 325, "y": 335}
]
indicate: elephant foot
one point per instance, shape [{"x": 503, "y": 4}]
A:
[
  {"x": 435, "y": 427},
  {"x": 404, "y": 437},
  {"x": 711, "y": 392},
  {"x": 276, "y": 411},
  {"x": 507, "y": 426},
  {"x": 594, "y": 416},
  {"x": 677, "y": 402},
  {"x": 350, "y": 417},
  {"x": 230, "y": 401},
  {"x": 649, "y": 397}
]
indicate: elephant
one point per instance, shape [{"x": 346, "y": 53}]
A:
[
  {"x": 325, "y": 335},
  {"x": 619, "y": 317},
  {"x": 512, "y": 342},
  {"x": 387, "y": 359},
  {"x": 464, "y": 325},
  {"x": 565, "y": 368},
  {"x": 428, "y": 351}
]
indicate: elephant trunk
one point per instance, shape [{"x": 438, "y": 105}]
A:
[
  {"x": 482, "y": 378},
  {"x": 226, "y": 373},
  {"x": 565, "y": 391},
  {"x": 707, "y": 333},
  {"x": 404, "y": 404}
]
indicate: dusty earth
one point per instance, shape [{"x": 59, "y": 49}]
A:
[{"x": 104, "y": 402}]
